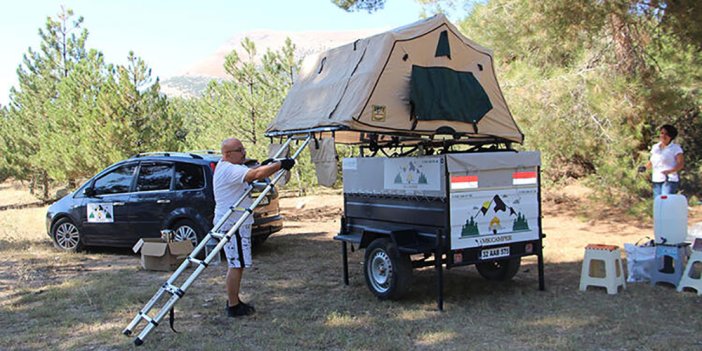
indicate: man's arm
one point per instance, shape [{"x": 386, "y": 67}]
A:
[{"x": 261, "y": 172}]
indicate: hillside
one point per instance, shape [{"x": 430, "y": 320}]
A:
[{"x": 193, "y": 79}]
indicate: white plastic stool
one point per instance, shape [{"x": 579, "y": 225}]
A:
[
  {"x": 687, "y": 281},
  {"x": 614, "y": 272},
  {"x": 670, "y": 263}
]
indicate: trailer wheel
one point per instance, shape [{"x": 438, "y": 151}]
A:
[
  {"x": 500, "y": 270},
  {"x": 388, "y": 273}
]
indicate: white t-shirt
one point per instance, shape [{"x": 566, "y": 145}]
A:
[
  {"x": 229, "y": 186},
  {"x": 664, "y": 159}
]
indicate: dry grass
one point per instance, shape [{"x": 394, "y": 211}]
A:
[
  {"x": 15, "y": 193},
  {"x": 53, "y": 300}
]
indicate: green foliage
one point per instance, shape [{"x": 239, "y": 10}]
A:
[
  {"x": 360, "y": 5},
  {"x": 245, "y": 105},
  {"x": 590, "y": 83},
  {"x": 73, "y": 114}
]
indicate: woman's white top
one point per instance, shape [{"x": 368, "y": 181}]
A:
[{"x": 663, "y": 158}]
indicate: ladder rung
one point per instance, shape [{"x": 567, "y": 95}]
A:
[
  {"x": 196, "y": 261},
  {"x": 218, "y": 235},
  {"x": 173, "y": 290},
  {"x": 145, "y": 317}
]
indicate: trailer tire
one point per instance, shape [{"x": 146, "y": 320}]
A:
[
  {"x": 388, "y": 273},
  {"x": 500, "y": 270}
]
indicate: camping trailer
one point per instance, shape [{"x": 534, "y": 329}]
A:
[{"x": 437, "y": 181}]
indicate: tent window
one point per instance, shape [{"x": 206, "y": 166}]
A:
[
  {"x": 442, "y": 47},
  {"x": 440, "y": 93}
]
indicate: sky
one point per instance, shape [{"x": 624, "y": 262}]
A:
[{"x": 172, "y": 35}]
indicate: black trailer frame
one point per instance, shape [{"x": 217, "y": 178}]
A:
[{"x": 431, "y": 241}]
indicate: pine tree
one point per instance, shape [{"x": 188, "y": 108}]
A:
[
  {"x": 32, "y": 105},
  {"x": 134, "y": 115},
  {"x": 73, "y": 114}
]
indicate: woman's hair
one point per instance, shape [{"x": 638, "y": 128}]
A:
[{"x": 672, "y": 132}]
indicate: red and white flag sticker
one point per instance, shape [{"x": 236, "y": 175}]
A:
[
  {"x": 523, "y": 178},
  {"x": 464, "y": 182}
]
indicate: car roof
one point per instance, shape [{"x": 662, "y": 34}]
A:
[{"x": 200, "y": 157}]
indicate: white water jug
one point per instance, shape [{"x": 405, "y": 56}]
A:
[{"x": 670, "y": 219}]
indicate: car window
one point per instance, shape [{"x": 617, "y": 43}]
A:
[
  {"x": 117, "y": 181},
  {"x": 189, "y": 176},
  {"x": 154, "y": 176}
]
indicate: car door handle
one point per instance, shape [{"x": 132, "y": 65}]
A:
[
  {"x": 118, "y": 204},
  {"x": 163, "y": 201}
]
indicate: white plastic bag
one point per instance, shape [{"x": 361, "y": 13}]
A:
[{"x": 640, "y": 261}]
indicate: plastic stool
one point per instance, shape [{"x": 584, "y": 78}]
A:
[
  {"x": 687, "y": 281},
  {"x": 614, "y": 273},
  {"x": 670, "y": 263}
]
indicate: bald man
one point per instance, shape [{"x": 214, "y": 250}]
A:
[{"x": 231, "y": 180}]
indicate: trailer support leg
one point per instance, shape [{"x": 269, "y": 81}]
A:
[
  {"x": 540, "y": 256},
  {"x": 345, "y": 262},
  {"x": 439, "y": 271}
]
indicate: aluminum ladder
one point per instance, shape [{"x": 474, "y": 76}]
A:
[{"x": 177, "y": 292}]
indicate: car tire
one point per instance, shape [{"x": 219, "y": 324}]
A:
[
  {"x": 388, "y": 273},
  {"x": 500, "y": 270},
  {"x": 66, "y": 236},
  {"x": 187, "y": 229}
]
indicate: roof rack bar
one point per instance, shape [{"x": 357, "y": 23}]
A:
[
  {"x": 167, "y": 154},
  {"x": 206, "y": 152},
  {"x": 277, "y": 133}
]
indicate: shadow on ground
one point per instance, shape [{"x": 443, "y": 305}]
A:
[{"x": 302, "y": 304}]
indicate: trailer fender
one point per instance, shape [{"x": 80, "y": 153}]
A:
[{"x": 368, "y": 236}]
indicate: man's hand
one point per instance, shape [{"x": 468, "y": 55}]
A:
[{"x": 287, "y": 163}]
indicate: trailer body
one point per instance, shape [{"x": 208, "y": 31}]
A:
[{"x": 466, "y": 208}]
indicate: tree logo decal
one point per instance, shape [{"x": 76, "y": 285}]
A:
[
  {"x": 410, "y": 174},
  {"x": 492, "y": 208}
]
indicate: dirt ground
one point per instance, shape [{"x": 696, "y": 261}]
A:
[{"x": 54, "y": 300}]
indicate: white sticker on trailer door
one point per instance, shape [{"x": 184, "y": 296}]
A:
[
  {"x": 412, "y": 173},
  {"x": 493, "y": 217}
]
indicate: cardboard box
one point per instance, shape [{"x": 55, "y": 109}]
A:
[{"x": 157, "y": 255}]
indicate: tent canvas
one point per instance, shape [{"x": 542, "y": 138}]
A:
[{"x": 419, "y": 80}]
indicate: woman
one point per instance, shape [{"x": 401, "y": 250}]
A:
[{"x": 666, "y": 161}]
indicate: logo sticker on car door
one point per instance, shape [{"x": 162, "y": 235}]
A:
[{"x": 100, "y": 213}]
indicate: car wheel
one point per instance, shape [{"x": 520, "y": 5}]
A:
[
  {"x": 66, "y": 235},
  {"x": 388, "y": 273},
  {"x": 186, "y": 229},
  {"x": 500, "y": 270}
]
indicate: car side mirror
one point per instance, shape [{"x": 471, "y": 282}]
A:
[{"x": 89, "y": 192}]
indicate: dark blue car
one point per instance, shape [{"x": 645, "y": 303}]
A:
[{"x": 142, "y": 195}]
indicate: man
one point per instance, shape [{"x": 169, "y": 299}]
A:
[{"x": 231, "y": 179}]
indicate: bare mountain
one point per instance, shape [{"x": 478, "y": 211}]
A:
[{"x": 193, "y": 80}]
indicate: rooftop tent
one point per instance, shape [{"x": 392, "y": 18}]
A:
[{"x": 419, "y": 80}]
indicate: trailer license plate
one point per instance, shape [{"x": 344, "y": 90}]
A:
[{"x": 494, "y": 252}]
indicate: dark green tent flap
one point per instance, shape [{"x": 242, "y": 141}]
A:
[{"x": 440, "y": 93}]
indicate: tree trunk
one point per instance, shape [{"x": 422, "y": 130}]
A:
[
  {"x": 626, "y": 49},
  {"x": 45, "y": 185}
]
